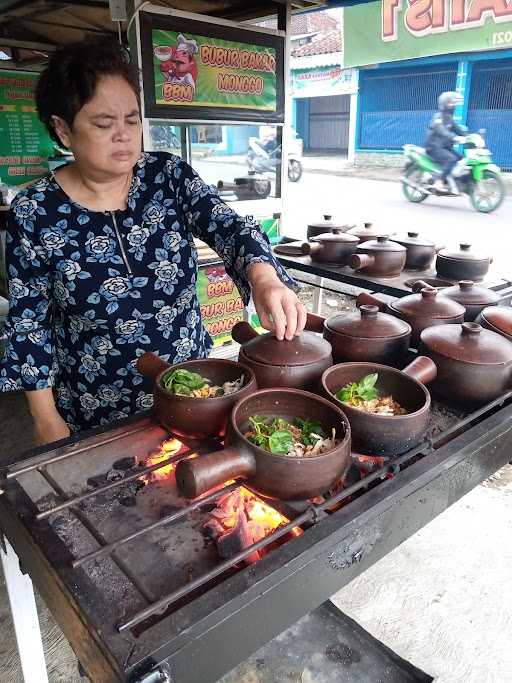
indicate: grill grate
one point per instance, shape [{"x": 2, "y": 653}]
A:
[{"x": 313, "y": 513}]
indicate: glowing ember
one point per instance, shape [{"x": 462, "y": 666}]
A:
[
  {"x": 167, "y": 450},
  {"x": 240, "y": 519}
]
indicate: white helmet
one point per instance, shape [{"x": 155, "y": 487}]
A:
[{"x": 448, "y": 101}]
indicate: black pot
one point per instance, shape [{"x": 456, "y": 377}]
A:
[
  {"x": 463, "y": 264},
  {"x": 420, "y": 251}
]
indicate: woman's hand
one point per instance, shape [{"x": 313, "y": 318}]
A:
[
  {"x": 277, "y": 306},
  {"x": 51, "y": 429}
]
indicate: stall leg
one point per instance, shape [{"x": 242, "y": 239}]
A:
[
  {"x": 24, "y": 615},
  {"x": 318, "y": 295}
]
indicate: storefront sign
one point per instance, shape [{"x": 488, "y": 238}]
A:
[
  {"x": 194, "y": 69},
  {"x": 24, "y": 142},
  {"x": 327, "y": 80},
  {"x": 390, "y": 30},
  {"x": 221, "y": 304}
]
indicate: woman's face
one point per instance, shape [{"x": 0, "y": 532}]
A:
[{"x": 105, "y": 137}]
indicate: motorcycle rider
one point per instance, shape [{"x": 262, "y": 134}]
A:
[{"x": 443, "y": 133}]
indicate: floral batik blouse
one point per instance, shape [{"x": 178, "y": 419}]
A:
[{"x": 91, "y": 291}]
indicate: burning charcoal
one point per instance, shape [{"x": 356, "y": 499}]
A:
[
  {"x": 128, "y": 501},
  {"x": 352, "y": 475},
  {"x": 237, "y": 539},
  {"x": 124, "y": 463},
  {"x": 213, "y": 528},
  {"x": 96, "y": 481},
  {"x": 115, "y": 475}
]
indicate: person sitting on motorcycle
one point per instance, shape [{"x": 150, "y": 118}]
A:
[{"x": 443, "y": 133}]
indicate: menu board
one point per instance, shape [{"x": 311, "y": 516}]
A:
[{"x": 25, "y": 144}]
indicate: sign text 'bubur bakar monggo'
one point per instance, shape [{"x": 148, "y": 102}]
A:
[
  {"x": 212, "y": 72},
  {"x": 390, "y": 30}
]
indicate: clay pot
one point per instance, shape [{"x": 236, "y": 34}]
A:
[
  {"x": 368, "y": 231},
  {"x": 379, "y": 258},
  {"x": 497, "y": 319},
  {"x": 297, "y": 363},
  {"x": 472, "y": 297},
  {"x": 420, "y": 310},
  {"x": 463, "y": 264},
  {"x": 331, "y": 248},
  {"x": 385, "y": 435},
  {"x": 420, "y": 251},
  {"x": 474, "y": 365},
  {"x": 196, "y": 418},
  {"x": 325, "y": 226},
  {"x": 364, "y": 335},
  {"x": 276, "y": 476}
]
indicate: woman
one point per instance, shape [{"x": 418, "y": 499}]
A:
[{"x": 101, "y": 261}]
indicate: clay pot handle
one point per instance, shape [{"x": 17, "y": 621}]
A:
[
  {"x": 150, "y": 365},
  {"x": 198, "y": 475},
  {"x": 315, "y": 323},
  {"x": 422, "y": 369},
  {"x": 365, "y": 299},
  {"x": 419, "y": 285},
  {"x": 359, "y": 261},
  {"x": 306, "y": 248},
  {"x": 242, "y": 332}
]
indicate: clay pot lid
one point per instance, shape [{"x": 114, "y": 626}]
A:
[
  {"x": 382, "y": 243},
  {"x": 466, "y": 292},
  {"x": 368, "y": 323},
  {"x": 303, "y": 350},
  {"x": 469, "y": 343},
  {"x": 368, "y": 231},
  {"x": 464, "y": 253},
  {"x": 413, "y": 239},
  {"x": 339, "y": 237},
  {"x": 327, "y": 223},
  {"x": 499, "y": 317},
  {"x": 428, "y": 303}
]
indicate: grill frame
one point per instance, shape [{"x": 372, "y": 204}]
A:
[{"x": 255, "y": 604}]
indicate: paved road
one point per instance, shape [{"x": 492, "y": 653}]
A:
[{"x": 447, "y": 221}]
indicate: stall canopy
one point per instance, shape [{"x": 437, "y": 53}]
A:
[{"x": 29, "y": 30}]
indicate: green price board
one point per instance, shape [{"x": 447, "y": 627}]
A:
[{"x": 24, "y": 142}]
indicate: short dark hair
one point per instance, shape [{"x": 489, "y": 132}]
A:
[{"x": 70, "y": 79}]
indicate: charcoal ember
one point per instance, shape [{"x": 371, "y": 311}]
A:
[
  {"x": 128, "y": 501},
  {"x": 124, "y": 463},
  {"x": 96, "y": 481},
  {"x": 237, "y": 539},
  {"x": 115, "y": 475},
  {"x": 213, "y": 528}
]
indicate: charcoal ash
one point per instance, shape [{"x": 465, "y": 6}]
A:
[{"x": 124, "y": 463}]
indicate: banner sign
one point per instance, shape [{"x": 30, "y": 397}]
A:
[
  {"x": 221, "y": 304},
  {"x": 322, "y": 81},
  {"x": 24, "y": 141},
  {"x": 198, "y": 70},
  {"x": 391, "y": 30}
]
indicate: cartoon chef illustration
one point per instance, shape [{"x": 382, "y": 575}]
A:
[{"x": 178, "y": 62}]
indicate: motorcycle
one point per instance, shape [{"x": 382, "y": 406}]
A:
[
  {"x": 475, "y": 175},
  {"x": 260, "y": 160}
]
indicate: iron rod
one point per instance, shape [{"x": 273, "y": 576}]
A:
[
  {"x": 23, "y": 469},
  {"x": 99, "y": 538},
  {"x": 107, "y": 549},
  {"x": 168, "y": 599},
  {"x": 112, "y": 485}
]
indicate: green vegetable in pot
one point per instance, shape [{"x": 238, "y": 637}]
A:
[
  {"x": 280, "y": 442},
  {"x": 364, "y": 390},
  {"x": 183, "y": 381},
  {"x": 299, "y": 438}
]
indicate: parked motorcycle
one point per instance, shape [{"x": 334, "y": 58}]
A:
[
  {"x": 262, "y": 160},
  {"x": 475, "y": 175}
]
